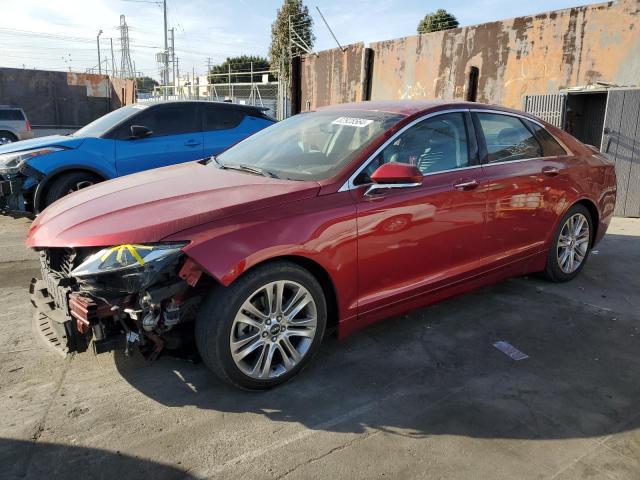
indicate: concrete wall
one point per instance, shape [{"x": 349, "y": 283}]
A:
[
  {"x": 535, "y": 54},
  {"x": 63, "y": 98},
  {"x": 333, "y": 76}
]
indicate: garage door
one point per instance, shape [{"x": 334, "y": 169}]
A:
[{"x": 621, "y": 143}]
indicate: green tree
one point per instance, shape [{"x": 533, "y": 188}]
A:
[
  {"x": 145, "y": 84},
  {"x": 436, "y": 21},
  {"x": 294, "y": 14},
  {"x": 239, "y": 64}
]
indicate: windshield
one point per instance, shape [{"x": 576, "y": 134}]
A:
[
  {"x": 102, "y": 125},
  {"x": 309, "y": 146}
]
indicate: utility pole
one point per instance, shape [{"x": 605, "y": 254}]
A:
[
  {"x": 113, "y": 60},
  {"x": 193, "y": 81},
  {"x": 178, "y": 74},
  {"x": 99, "y": 61},
  {"x": 166, "y": 45},
  {"x": 173, "y": 59}
]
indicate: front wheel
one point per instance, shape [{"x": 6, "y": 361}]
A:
[
  {"x": 264, "y": 328},
  {"x": 68, "y": 183},
  {"x": 570, "y": 246}
]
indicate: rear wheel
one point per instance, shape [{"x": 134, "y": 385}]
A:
[
  {"x": 264, "y": 328},
  {"x": 67, "y": 183},
  {"x": 7, "y": 137},
  {"x": 571, "y": 245}
]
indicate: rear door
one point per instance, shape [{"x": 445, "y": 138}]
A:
[
  {"x": 175, "y": 138},
  {"x": 524, "y": 184},
  {"x": 224, "y": 125}
]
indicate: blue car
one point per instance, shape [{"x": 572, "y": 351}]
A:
[{"x": 35, "y": 173}]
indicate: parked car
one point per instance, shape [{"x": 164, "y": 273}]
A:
[
  {"x": 335, "y": 218},
  {"x": 36, "y": 173},
  {"x": 14, "y": 125}
]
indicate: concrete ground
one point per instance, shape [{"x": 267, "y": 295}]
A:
[{"x": 422, "y": 396}]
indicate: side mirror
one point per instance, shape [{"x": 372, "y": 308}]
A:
[
  {"x": 395, "y": 175},
  {"x": 139, "y": 131}
]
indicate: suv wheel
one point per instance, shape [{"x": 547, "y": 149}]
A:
[
  {"x": 67, "y": 183},
  {"x": 7, "y": 137},
  {"x": 264, "y": 328}
]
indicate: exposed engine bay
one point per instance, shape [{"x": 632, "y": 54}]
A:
[{"x": 118, "y": 298}]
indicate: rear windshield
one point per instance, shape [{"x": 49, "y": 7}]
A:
[
  {"x": 11, "y": 114},
  {"x": 310, "y": 146}
]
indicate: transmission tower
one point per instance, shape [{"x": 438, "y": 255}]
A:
[{"x": 126, "y": 66}]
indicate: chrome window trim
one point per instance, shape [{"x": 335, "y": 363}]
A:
[
  {"x": 533, "y": 120},
  {"x": 348, "y": 185}
]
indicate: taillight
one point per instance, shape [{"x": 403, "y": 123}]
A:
[{"x": 28, "y": 126}]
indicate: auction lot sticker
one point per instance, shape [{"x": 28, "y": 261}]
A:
[{"x": 352, "y": 122}]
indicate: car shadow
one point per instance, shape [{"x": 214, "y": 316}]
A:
[
  {"x": 436, "y": 371},
  {"x": 36, "y": 460}
]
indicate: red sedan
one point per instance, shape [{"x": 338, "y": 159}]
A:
[{"x": 335, "y": 218}]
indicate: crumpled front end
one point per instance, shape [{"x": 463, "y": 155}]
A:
[
  {"x": 120, "y": 298},
  {"x": 17, "y": 190}
]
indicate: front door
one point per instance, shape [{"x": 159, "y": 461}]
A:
[
  {"x": 416, "y": 239},
  {"x": 176, "y": 137}
]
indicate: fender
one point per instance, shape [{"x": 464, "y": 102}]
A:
[{"x": 325, "y": 233}]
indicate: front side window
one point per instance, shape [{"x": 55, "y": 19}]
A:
[
  {"x": 170, "y": 120},
  {"x": 434, "y": 145},
  {"x": 310, "y": 146},
  {"x": 507, "y": 138}
]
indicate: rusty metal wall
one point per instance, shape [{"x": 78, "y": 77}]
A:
[
  {"x": 333, "y": 76},
  {"x": 526, "y": 55},
  {"x": 63, "y": 98}
]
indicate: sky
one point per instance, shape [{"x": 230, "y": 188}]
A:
[{"x": 61, "y": 34}]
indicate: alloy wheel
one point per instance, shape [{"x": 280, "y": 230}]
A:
[
  {"x": 80, "y": 186},
  {"x": 273, "y": 329},
  {"x": 5, "y": 140},
  {"x": 573, "y": 243}
]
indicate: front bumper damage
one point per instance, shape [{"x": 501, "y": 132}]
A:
[
  {"x": 69, "y": 318},
  {"x": 17, "y": 190}
]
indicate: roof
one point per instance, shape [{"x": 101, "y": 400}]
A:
[
  {"x": 204, "y": 102},
  {"x": 412, "y": 107}
]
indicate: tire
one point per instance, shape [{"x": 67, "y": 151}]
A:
[
  {"x": 220, "y": 321},
  {"x": 67, "y": 183},
  {"x": 559, "y": 267},
  {"x": 7, "y": 137}
]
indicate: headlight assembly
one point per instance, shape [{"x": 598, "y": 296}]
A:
[
  {"x": 13, "y": 162},
  {"x": 128, "y": 268}
]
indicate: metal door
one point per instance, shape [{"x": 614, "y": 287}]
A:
[
  {"x": 621, "y": 143},
  {"x": 548, "y": 107}
]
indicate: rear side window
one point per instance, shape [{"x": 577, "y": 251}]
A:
[
  {"x": 221, "y": 118},
  {"x": 550, "y": 146},
  {"x": 11, "y": 115},
  {"x": 507, "y": 138}
]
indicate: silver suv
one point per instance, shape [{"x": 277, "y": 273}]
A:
[{"x": 14, "y": 125}]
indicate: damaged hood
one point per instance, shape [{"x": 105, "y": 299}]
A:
[
  {"x": 41, "y": 142},
  {"x": 149, "y": 206}
]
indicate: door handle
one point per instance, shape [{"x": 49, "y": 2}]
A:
[
  {"x": 550, "y": 171},
  {"x": 464, "y": 186},
  {"x": 191, "y": 143}
]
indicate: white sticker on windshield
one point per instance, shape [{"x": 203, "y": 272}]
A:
[{"x": 352, "y": 122}]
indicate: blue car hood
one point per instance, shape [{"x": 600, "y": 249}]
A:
[{"x": 49, "y": 141}]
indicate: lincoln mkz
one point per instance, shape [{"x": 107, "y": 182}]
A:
[{"x": 327, "y": 221}]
